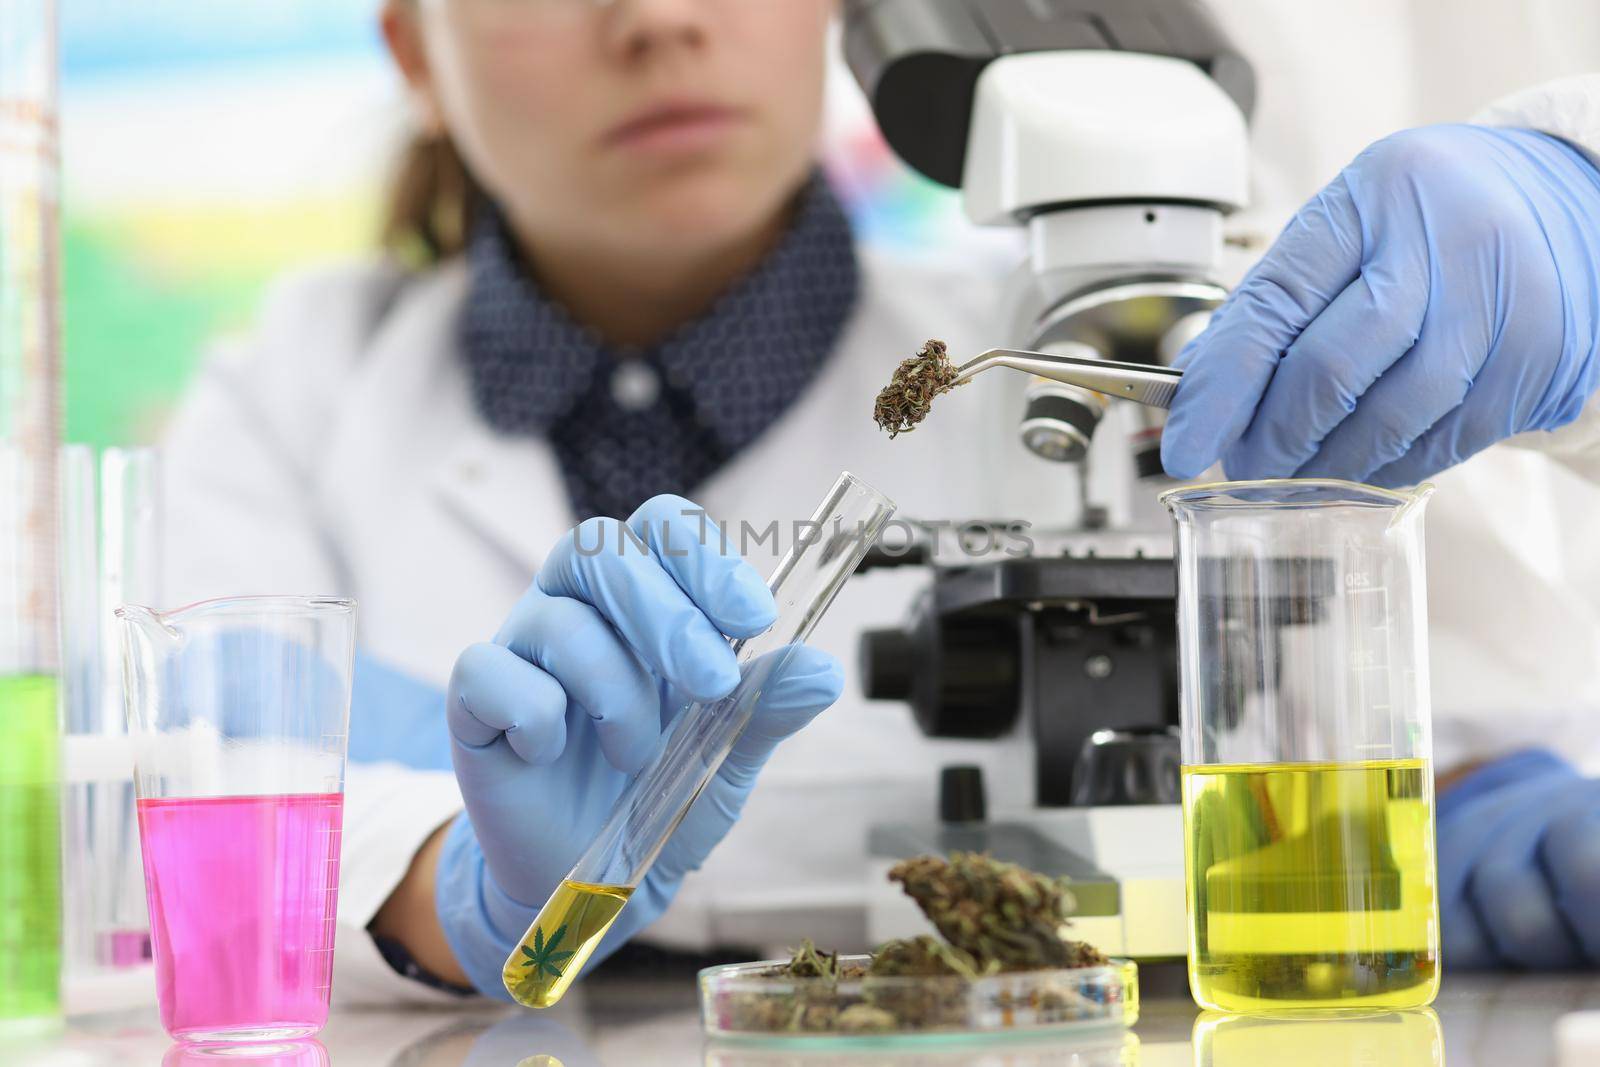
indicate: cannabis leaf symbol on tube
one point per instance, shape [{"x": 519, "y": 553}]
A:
[{"x": 543, "y": 957}]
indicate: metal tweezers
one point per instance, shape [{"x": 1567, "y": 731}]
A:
[{"x": 1142, "y": 383}]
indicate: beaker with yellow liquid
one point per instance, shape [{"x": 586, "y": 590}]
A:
[{"x": 1307, "y": 775}]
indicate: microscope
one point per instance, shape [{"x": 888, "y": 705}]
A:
[{"x": 1113, "y": 132}]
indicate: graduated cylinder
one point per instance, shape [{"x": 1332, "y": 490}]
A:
[{"x": 1307, "y": 778}]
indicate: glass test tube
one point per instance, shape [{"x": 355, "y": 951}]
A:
[
  {"x": 583, "y": 907},
  {"x": 109, "y": 556},
  {"x": 130, "y": 573},
  {"x": 80, "y": 694}
]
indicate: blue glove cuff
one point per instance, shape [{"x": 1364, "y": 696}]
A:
[
  {"x": 1508, "y": 770},
  {"x": 481, "y": 923}
]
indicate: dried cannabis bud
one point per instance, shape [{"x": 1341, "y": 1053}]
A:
[
  {"x": 809, "y": 961},
  {"x": 994, "y": 916},
  {"x": 925, "y": 956},
  {"x": 936, "y": 1005},
  {"x": 904, "y": 402},
  {"x": 814, "y": 1005},
  {"x": 996, "y": 912}
]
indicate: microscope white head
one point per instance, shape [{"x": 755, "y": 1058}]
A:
[
  {"x": 1052, "y": 130},
  {"x": 1121, "y": 165}
]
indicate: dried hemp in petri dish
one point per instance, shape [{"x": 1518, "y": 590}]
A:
[
  {"x": 1000, "y": 914},
  {"x": 994, "y": 918}
]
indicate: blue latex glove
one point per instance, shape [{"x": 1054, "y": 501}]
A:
[
  {"x": 549, "y": 721},
  {"x": 1441, "y": 294},
  {"x": 1519, "y": 866}
]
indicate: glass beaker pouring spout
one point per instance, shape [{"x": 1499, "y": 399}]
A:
[{"x": 147, "y": 638}]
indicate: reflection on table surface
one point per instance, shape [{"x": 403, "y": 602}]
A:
[
  {"x": 305, "y": 1053},
  {"x": 1479, "y": 1020},
  {"x": 1401, "y": 1037}
]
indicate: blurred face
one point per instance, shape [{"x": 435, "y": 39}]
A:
[{"x": 637, "y": 126}]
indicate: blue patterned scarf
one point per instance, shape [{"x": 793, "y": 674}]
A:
[{"x": 628, "y": 424}]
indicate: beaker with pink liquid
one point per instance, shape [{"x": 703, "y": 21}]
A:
[{"x": 238, "y": 710}]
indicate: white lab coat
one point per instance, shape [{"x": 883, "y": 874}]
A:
[{"x": 338, "y": 451}]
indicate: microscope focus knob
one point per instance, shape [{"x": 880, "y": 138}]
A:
[
  {"x": 887, "y": 659},
  {"x": 961, "y": 794},
  {"x": 1058, "y": 420},
  {"x": 962, "y": 679},
  {"x": 1118, "y": 767}
]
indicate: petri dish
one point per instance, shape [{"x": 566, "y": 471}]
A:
[{"x": 753, "y": 1003}]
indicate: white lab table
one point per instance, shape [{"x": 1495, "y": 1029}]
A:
[{"x": 1478, "y": 1021}]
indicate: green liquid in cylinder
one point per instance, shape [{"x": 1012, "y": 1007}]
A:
[
  {"x": 30, "y": 852},
  {"x": 1311, "y": 886}
]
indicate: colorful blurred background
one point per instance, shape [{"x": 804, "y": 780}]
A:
[{"x": 209, "y": 147}]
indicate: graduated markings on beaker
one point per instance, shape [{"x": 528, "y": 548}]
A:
[
  {"x": 1369, "y": 661},
  {"x": 330, "y": 888},
  {"x": 563, "y": 937}
]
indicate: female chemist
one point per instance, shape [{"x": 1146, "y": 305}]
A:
[{"x": 617, "y": 282}]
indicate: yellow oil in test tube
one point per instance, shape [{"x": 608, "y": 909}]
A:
[{"x": 563, "y": 937}]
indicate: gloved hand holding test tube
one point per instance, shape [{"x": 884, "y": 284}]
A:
[{"x": 588, "y": 900}]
